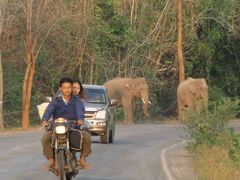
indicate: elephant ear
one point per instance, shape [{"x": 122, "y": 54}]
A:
[
  {"x": 127, "y": 86},
  {"x": 197, "y": 86},
  {"x": 130, "y": 87},
  {"x": 193, "y": 87},
  {"x": 203, "y": 88}
]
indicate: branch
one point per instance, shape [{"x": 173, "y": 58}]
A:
[
  {"x": 49, "y": 30},
  {"x": 150, "y": 33}
]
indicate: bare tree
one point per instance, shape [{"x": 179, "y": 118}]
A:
[
  {"x": 37, "y": 30},
  {"x": 1, "y": 70},
  {"x": 42, "y": 18}
]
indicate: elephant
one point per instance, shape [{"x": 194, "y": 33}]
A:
[
  {"x": 125, "y": 91},
  {"x": 192, "y": 93}
]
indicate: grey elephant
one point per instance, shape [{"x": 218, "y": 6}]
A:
[
  {"x": 192, "y": 93},
  {"x": 126, "y": 90}
]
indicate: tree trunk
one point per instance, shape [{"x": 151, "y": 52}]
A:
[
  {"x": 1, "y": 78},
  {"x": 179, "y": 43},
  {"x": 1, "y": 94},
  {"x": 132, "y": 11},
  {"x": 91, "y": 72},
  {"x": 27, "y": 89},
  {"x": 123, "y": 4},
  {"x": 30, "y": 70},
  {"x": 96, "y": 76}
]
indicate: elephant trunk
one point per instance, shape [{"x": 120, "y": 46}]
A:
[{"x": 146, "y": 103}]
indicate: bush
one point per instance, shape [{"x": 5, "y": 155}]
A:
[
  {"x": 234, "y": 152},
  {"x": 12, "y": 97},
  {"x": 119, "y": 114},
  {"x": 207, "y": 128}
]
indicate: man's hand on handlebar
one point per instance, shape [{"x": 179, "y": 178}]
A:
[
  {"x": 80, "y": 122},
  {"x": 44, "y": 123}
]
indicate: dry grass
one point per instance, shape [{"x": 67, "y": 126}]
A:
[{"x": 215, "y": 164}]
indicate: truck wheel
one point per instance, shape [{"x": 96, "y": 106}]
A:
[
  {"x": 105, "y": 138},
  {"x": 112, "y": 133}
]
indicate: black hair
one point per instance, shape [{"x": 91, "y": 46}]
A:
[
  {"x": 65, "y": 80},
  {"x": 82, "y": 94}
]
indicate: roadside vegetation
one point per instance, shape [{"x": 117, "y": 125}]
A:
[
  {"x": 215, "y": 145},
  {"x": 95, "y": 41}
]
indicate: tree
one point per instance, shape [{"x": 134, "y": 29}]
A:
[
  {"x": 37, "y": 30},
  {"x": 1, "y": 69},
  {"x": 179, "y": 43},
  {"x": 30, "y": 45}
]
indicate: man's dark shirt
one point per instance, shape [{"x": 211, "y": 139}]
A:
[{"x": 73, "y": 110}]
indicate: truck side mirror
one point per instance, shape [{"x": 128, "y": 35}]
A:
[{"x": 113, "y": 102}]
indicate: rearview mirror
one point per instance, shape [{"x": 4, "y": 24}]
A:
[{"x": 113, "y": 102}]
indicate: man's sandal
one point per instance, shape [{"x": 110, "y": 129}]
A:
[{"x": 53, "y": 170}]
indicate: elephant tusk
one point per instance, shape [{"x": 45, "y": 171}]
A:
[
  {"x": 143, "y": 101},
  {"x": 149, "y": 102}
]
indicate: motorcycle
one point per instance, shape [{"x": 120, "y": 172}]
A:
[{"x": 66, "y": 142}]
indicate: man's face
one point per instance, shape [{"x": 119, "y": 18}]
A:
[{"x": 66, "y": 89}]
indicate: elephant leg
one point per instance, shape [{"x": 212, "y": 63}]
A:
[
  {"x": 128, "y": 110},
  {"x": 205, "y": 104},
  {"x": 180, "y": 108},
  {"x": 145, "y": 111},
  {"x": 133, "y": 106}
]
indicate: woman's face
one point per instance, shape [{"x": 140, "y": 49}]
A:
[{"x": 76, "y": 89}]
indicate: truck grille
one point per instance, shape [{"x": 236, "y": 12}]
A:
[{"x": 89, "y": 114}]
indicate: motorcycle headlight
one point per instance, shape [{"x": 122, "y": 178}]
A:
[
  {"x": 60, "y": 129},
  {"x": 101, "y": 114}
]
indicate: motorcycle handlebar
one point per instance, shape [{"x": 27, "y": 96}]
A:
[
  {"x": 70, "y": 121},
  {"x": 41, "y": 127}
]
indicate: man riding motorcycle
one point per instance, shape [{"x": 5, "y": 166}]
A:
[{"x": 69, "y": 107}]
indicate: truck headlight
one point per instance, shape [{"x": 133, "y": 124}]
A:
[
  {"x": 101, "y": 114},
  {"x": 60, "y": 129},
  {"x": 101, "y": 123}
]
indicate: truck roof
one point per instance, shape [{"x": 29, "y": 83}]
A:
[{"x": 93, "y": 86}]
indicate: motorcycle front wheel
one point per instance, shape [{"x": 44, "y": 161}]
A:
[
  {"x": 68, "y": 177},
  {"x": 61, "y": 165}
]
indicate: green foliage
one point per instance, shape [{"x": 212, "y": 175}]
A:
[
  {"x": 234, "y": 151},
  {"x": 154, "y": 108},
  {"x": 12, "y": 97},
  {"x": 216, "y": 45},
  {"x": 215, "y": 94},
  {"x": 119, "y": 114},
  {"x": 207, "y": 128},
  {"x": 111, "y": 27}
]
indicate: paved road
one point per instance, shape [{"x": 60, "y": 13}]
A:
[{"x": 140, "y": 152}]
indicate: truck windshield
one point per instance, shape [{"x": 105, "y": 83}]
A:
[{"x": 95, "y": 96}]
